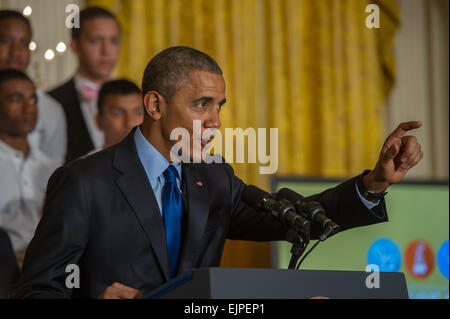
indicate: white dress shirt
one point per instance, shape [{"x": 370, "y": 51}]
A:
[
  {"x": 50, "y": 134},
  {"x": 89, "y": 110},
  {"x": 22, "y": 188}
]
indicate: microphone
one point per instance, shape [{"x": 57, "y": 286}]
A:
[
  {"x": 283, "y": 210},
  {"x": 312, "y": 210}
]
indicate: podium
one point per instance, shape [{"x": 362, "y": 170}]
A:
[{"x": 249, "y": 283}]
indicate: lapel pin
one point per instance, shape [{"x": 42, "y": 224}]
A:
[{"x": 199, "y": 183}]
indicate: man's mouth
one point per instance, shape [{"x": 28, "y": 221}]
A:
[
  {"x": 29, "y": 121},
  {"x": 14, "y": 64},
  {"x": 206, "y": 142},
  {"x": 105, "y": 64}
]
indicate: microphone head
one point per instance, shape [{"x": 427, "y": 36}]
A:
[
  {"x": 289, "y": 194},
  {"x": 295, "y": 198},
  {"x": 312, "y": 208},
  {"x": 253, "y": 196}
]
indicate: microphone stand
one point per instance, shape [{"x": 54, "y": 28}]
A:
[
  {"x": 299, "y": 243},
  {"x": 328, "y": 232}
]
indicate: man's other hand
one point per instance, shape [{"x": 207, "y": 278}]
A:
[
  {"x": 119, "y": 291},
  {"x": 400, "y": 152}
]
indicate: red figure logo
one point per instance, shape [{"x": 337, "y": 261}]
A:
[{"x": 419, "y": 259}]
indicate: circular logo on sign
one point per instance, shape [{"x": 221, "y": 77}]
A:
[
  {"x": 385, "y": 253},
  {"x": 442, "y": 259},
  {"x": 419, "y": 259}
]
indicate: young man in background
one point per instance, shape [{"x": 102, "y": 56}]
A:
[
  {"x": 97, "y": 45},
  {"x": 120, "y": 109},
  {"x": 50, "y": 134},
  {"x": 24, "y": 169}
]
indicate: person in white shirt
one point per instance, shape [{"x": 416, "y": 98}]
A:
[
  {"x": 50, "y": 133},
  {"x": 97, "y": 46},
  {"x": 24, "y": 169}
]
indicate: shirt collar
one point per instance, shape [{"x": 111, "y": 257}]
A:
[
  {"x": 7, "y": 150},
  {"x": 81, "y": 81},
  {"x": 154, "y": 163}
]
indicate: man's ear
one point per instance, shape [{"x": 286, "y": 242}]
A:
[{"x": 153, "y": 102}]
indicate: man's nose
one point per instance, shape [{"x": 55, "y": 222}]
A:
[
  {"x": 29, "y": 107},
  {"x": 129, "y": 121},
  {"x": 14, "y": 50},
  {"x": 213, "y": 120},
  {"x": 107, "y": 47}
]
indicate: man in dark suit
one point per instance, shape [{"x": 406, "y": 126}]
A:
[
  {"x": 131, "y": 218},
  {"x": 97, "y": 45}
]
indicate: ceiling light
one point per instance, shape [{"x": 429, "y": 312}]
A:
[
  {"x": 49, "y": 55},
  {"x": 61, "y": 47},
  {"x": 32, "y": 46},
  {"x": 27, "y": 11}
]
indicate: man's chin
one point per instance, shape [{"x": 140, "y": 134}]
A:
[
  {"x": 22, "y": 132},
  {"x": 16, "y": 66},
  {"x": 107, "y": 68},
  {"x": 102, "y": 73},
  {"x": 195, "y": 156}
]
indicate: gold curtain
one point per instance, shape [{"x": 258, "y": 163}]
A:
[{"x": 310, "y": 68}]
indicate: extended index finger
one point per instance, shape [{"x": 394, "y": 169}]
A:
[{"x": 404, "y": 127}]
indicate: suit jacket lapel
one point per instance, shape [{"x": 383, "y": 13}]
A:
[
  {"x": 136, "y": 188},
  {"x": 78, "y": 138},
  {"x": 195, "y": 198},
  {"x": 76, "y": 117}
]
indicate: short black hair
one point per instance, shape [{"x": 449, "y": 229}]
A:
[
  {"x": 12, "y": 14},
  {"x": 116, "y": 87},
  {"x": 12, "y": 74},
  {"x": 168, "y": 68},
  {"x": 90, "y": 13}
]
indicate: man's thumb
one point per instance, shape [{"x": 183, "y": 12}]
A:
[{"x": 391, "y": 152}]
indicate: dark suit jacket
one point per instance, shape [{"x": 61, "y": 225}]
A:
[
  {"x": 9, "y": 270},
  {"x": 79, "y": 141},
  {"x": 101, "y": 214}
]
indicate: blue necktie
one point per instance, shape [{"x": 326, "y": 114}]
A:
[{"x": 172, "y": 209}]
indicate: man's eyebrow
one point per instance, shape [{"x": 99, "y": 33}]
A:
[
  {"x": 209, "y": 99},
  {"x": 115, "y": 106},
  {"x": 15, "y": 94},
  {"x": 204, "y": 99}
]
